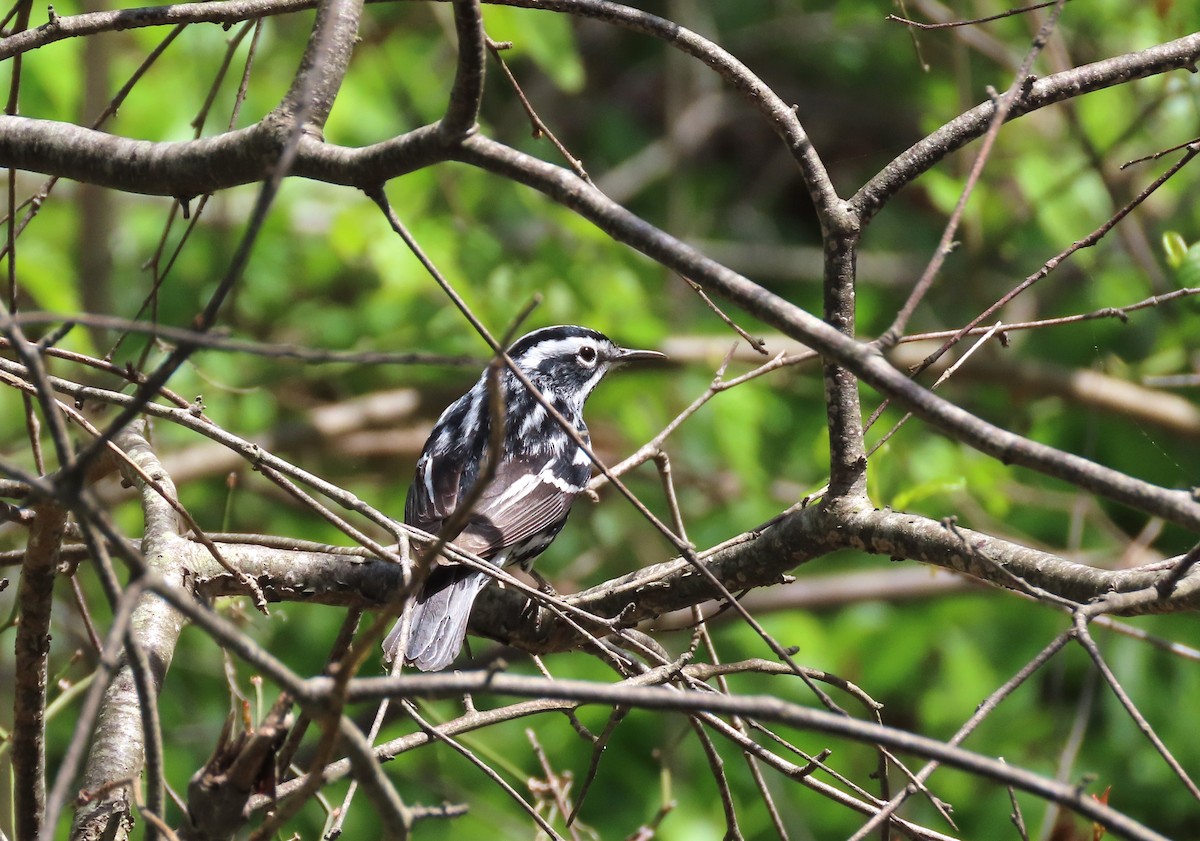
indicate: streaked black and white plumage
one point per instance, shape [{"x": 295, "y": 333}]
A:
[{"x": 522, "y": 510}]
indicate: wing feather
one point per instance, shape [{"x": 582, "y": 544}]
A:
[
  {"x": 525, "y": 498},
  {"x": 434, "y": 492}
]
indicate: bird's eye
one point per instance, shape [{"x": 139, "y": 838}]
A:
[{"x": 587, "y": 355}]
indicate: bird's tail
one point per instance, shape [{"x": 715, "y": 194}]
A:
[{"x": 438, "y": 620}]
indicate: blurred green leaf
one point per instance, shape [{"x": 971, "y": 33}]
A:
[
  {"x": 1175, "y": 247},
  {"x": 1188, "y": 270}
]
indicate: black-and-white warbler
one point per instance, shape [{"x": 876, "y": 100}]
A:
[{"x": 541, "y": 471}]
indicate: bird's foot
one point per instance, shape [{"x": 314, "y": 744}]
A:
[{"x": 543, "y": 584}]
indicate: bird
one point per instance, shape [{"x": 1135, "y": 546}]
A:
[{"x": 540, "y": 472}]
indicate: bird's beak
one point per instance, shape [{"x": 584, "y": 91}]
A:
[{"x": 626, "y": 355}]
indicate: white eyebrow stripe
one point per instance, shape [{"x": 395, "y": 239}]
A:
[{"x": 542, "y": 351}]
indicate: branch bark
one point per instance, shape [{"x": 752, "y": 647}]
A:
[
  {"x": 119, "y": 745},
  {"x": 763, "y": 558},
  {"x": 758, "y": 559},
  {"x": 1180, "y": 54},
  {"x": 323, "y": 66},
  {"x": 32, "y": 649}
]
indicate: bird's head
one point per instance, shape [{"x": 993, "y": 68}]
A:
[{"x": 569, "y": 361}]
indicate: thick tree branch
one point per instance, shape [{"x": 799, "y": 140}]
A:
[
  {"x": 32, "y": 649},
  {"x": 843, "y": 410},
  {"x": 82, "y": 732},
  {"x": 61, "y": 27},
  {"x": 466, "y": 94},
  {"x": 186, "y": 168},
  {"x": 567, "y": 189},
  {"x": 195, "y": 167},
  {"x": 190, "y": 168},
  {"x": 764, "y": 557},
  {"x": 760, "y": 559},
  {"x": 323, "y": 66},
  {"x": 1180, "y": 54},
  {"x": 120, "y": 741}
]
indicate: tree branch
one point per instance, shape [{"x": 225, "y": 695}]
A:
[
  {"x": 1180, "y": 54},
  {"x": 32, "y": 649},
  {"x": 323, "y": 66},
  {"x": 119, "y": 746},
  {"x": 567, "y": 189},
  {"x": 467, "y": 92},
  {"x": 763, "y": 557},
  {"x": 759, "y": 559},
  {"x": 768, "y": 708}
]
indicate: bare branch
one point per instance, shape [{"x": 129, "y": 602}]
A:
[
  {"x": 564, "y": 187},
  {"x": 323, "y": 66},
  {"x": 126, "y": 735},
  {"x": 32, "y": 648},
  {"x": 1180, "y": 54},
  {"x": 467, "y": 92},
  {"x": 760, "y": 707}
]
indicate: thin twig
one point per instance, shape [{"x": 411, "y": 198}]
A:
[
  {"x": 1084, "y": 637},
  {"x": 488, "y": 771},
  {"x": 972, "y": 21}
]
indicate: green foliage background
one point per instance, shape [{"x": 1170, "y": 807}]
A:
[{"x": 328, "y": 273}]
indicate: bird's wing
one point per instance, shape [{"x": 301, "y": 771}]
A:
[
  {"x": 527, "y": 496},
  {"x": 434, "y": 492}
]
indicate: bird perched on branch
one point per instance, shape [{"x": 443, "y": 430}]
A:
[{"x": 522, "y": 509}]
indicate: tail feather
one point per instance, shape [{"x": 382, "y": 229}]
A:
[{"x": 437, "y": 618}]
